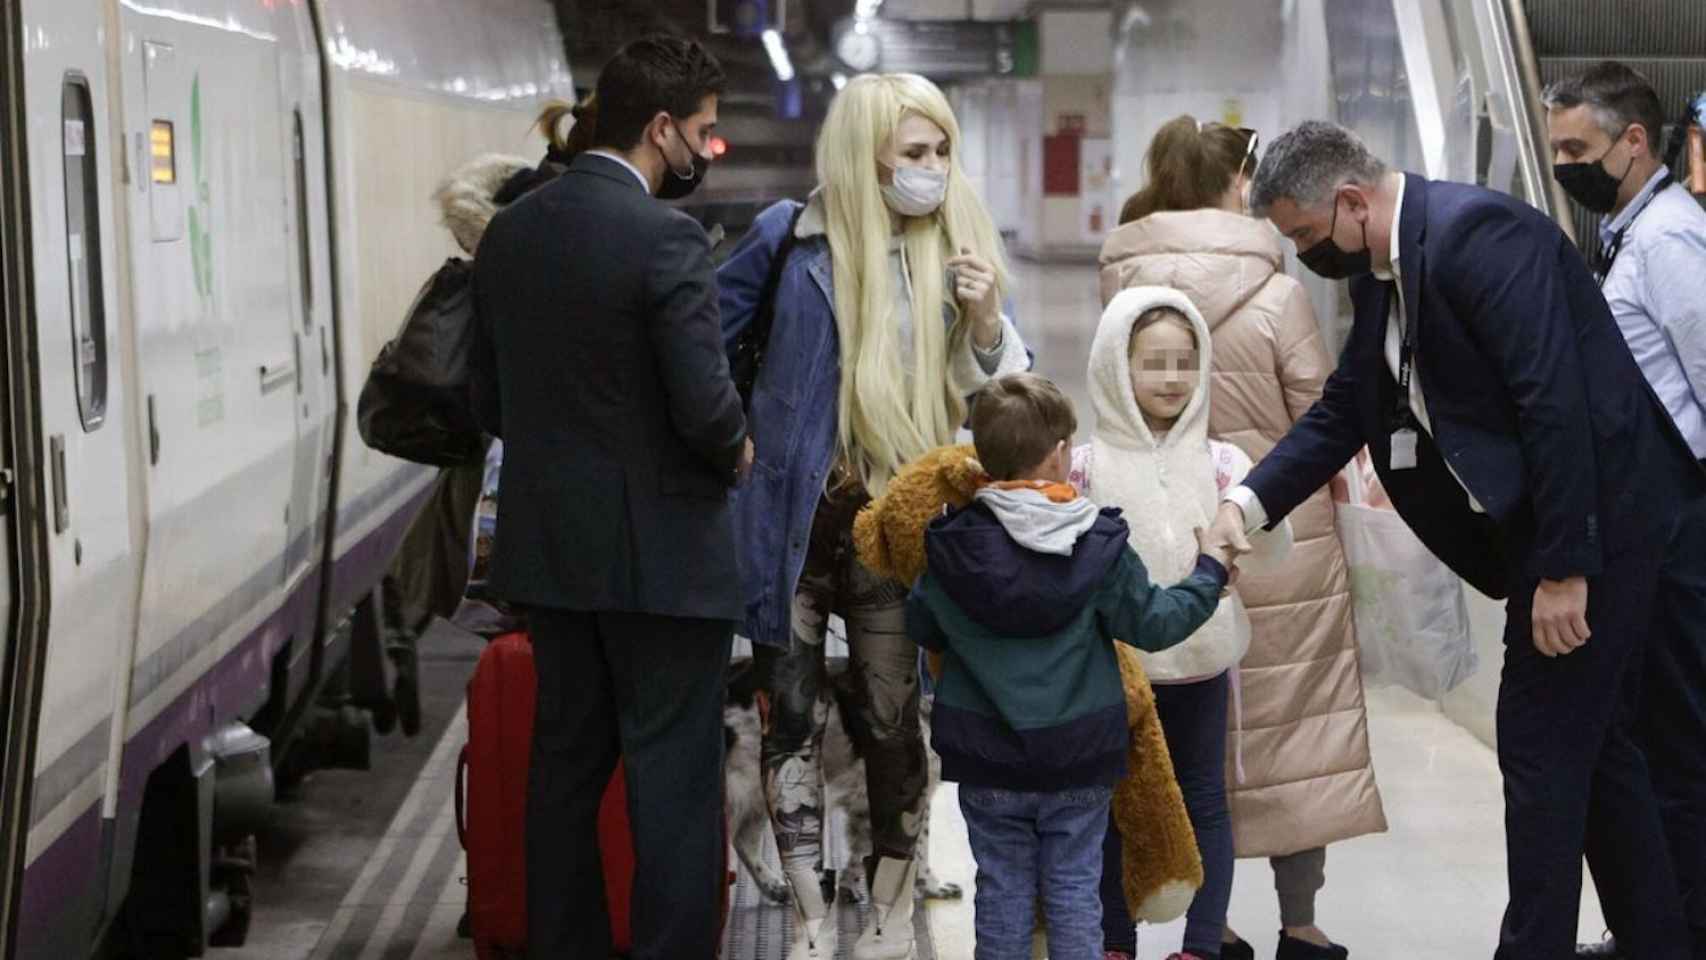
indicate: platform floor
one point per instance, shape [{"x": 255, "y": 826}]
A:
[
  {"x": 1430, "y": 889},
  {"x": 347, "y": 882}
]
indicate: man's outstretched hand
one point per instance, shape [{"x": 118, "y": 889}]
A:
[{"x": 1225, "y": 539}]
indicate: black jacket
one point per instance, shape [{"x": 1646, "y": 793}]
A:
[
  {"x": 1535, "y": 400},
  {"x": 621, "y": 426}
]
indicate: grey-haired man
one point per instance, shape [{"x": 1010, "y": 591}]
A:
[{"x": 1514, "y": 432}]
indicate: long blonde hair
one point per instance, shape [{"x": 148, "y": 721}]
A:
[{"x": 880, "y": 427}]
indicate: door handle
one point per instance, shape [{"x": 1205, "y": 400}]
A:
[
  {"x": 61, "y": 503},
  {"x": 275, "y": 375}
]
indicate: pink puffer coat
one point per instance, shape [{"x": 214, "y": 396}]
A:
[{"x": 1308, "y": 778}]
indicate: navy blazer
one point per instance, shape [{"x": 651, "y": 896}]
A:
[
  {"x": 1533, "y": 395},
  {"x": 622, "y": 427}
]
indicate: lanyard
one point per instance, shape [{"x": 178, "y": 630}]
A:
[
  {"x": 1402, "y": 416},
  {"x": 1609, "y": 256}
]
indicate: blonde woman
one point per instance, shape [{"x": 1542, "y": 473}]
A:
[{"x": 887, "y": 314}]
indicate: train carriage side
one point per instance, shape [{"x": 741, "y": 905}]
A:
[{"x": 229, "y": 211}]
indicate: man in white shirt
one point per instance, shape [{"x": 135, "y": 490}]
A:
[
  {"x": 1513, "y": 430},
  {"x": 1605, "y": 127}
]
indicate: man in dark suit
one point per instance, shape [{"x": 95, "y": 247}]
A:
[
  {"x": 622, "y": 436},
  {"x": 1517, "y": 437}
]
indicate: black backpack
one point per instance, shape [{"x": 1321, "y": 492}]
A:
[
  {"x": 418, "y": 401},
  {"x": 747, "y": 357}
]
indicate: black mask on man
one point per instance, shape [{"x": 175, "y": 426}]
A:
[
  {"x": 1590, "y": 184},
  {"x": 678, "y": 185},
  {"x": 1326, "y": 259}
]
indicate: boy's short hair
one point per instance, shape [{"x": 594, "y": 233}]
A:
[{"x": 1016, "y": 420}]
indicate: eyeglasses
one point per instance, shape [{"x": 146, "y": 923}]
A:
[{"x": 1251, "y": 139}]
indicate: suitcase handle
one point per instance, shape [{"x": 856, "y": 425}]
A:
[{"x": 460, "y": 786}]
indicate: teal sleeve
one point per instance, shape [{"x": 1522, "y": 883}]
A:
[
  {"x": 1150, "y": 617},
  {"x": 922, "y": 627}
]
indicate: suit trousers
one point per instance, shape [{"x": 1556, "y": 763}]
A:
[
  {"x": 1671, "y": 724},
  {"x": 649, "y": 689},
  {"x": 1575, "y": 778}
]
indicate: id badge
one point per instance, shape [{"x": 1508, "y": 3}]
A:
[{"x": 1403, "y": 449}]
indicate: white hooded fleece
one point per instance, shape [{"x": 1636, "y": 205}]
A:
[{"x": 1167, "y": 487}]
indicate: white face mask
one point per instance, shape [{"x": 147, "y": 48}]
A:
[{"x": 916, "y": 191}]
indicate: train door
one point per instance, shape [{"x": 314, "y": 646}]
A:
[
  {"x": 23, "y": 536},
  {"x": 218, "y": 358},
  {"x": 91, "y": 555},
  {"x": 316, "y": 397}
]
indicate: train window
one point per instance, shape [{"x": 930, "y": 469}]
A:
[
  {"x": 303, "y": 248},
  {"x": 162, "y": 153},
  {"x": 83, "y": 252}
]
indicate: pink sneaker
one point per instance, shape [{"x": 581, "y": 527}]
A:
[{"x": 1117, "y": 955}]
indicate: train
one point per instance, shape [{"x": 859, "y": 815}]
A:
[{"x": 212, "y": 215}]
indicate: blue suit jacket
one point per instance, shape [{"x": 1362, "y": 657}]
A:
[{"x": 1534, "y": 398}]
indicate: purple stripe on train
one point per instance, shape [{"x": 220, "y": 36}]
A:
[{"x": 63, "y": 888}]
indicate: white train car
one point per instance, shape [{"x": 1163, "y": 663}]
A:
[{"x": 212, "y": 214}]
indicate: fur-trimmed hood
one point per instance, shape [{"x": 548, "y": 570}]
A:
[{"x": 467, "y": 198}]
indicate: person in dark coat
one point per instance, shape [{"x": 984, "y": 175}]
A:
[
  {"x": 623, "y": 435},
  {"x": 1518, "y": 438}
]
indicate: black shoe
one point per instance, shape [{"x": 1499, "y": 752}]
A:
[
  {"x": 1604, "y": 950},
  {"x": 1237, "y": 950},
  {"x": 1291, "y": 948}
]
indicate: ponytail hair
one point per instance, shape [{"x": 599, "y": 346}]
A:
[
  {"x": 566, "y": 144},
  {"x": 1189, "y": 166}
]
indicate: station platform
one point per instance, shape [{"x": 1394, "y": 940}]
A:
[{"x": 1432, "y": 888}]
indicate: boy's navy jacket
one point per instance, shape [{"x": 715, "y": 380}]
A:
[{"x": 1030, "y": 696}]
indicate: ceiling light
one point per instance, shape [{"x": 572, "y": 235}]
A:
[
  {"x": 839, "y": 79},
  {"x": 866, "y": 9},
  {"x": 778, "y": 56}
]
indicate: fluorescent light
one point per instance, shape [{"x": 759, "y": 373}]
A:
[
  {"x": 778, "y": 56},
  {"x": 839, "y": 79},
  {"x": 866, "y": 9}
]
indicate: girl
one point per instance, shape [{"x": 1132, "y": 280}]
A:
[
  {"x": 1150, "y": 456},
  {"x": 887, "y": 315},
  {"x": 1302, "y": 685}
]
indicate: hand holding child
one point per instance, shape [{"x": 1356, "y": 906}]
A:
[{"x": 1223, "y": 551}]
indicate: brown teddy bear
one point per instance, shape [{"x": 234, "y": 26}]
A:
[{"x": 1162, "y": 866}]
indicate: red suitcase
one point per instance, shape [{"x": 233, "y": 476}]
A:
[
  {"x": 491, "y": 808},
  {"x": 491, "y": 795}
]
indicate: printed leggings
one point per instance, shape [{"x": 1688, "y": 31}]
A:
[{"x": 882, "y": 695}]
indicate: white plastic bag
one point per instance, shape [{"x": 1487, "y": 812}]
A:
[{"x": 1412, "y": 620}]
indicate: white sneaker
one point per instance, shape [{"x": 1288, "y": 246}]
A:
[
  {"x": 888, "y": 932},
  {"x": 814, "y": 920}
]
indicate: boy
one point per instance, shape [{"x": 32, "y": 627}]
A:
[{"x": 1023, "y": 593}]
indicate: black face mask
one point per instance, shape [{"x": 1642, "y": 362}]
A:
[
  {"x": 1327, "y": 260},
  {"x": 1589, "y": 184},
  {"x": 678, "y": 185}
]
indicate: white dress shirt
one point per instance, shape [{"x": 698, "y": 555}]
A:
[
  {"x": 1255, "y": 514},
  {"x": 645, "y": 184}
]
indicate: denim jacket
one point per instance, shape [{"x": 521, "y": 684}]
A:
[{"x": 792, "y": 415}]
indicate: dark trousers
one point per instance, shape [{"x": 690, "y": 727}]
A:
[
  {"x": 1671, "y": 724},
  {"x": 1575, "y": 779},
  {"x": 649, "y": 689},
  {"x": 1193, "y": 719}
]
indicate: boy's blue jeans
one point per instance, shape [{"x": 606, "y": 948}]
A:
[{"x": 1032, "y": 846}]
